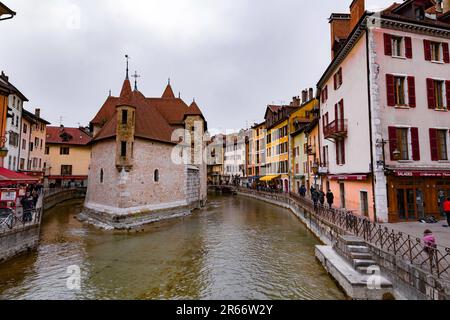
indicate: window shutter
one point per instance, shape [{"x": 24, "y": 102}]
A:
[
  {"x": 387, "y": 44},
  {"x": 446, "y": 52},
  {"x": 412, "y": 92},
  {"x": 390, "y": 90},
  {"x": 430, "y": 92},
  {"x": 415, "y": 143},
  {"x": 336, "y": 114},
  {"x": 343, "y": 151},
  {"x": 335, "y": 82},
  {"x": 341, "y": 78},
  {"x": 434, "y": 145},
  {"x": 447, "y": 93},
  {"x": 427, "y": 48},
  {"x": 392, "y": 141},
  {"x": 408, "y": 48},
  {"x": 337, "y": 152}
]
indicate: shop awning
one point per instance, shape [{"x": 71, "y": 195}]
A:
[
  {"x": 8, "y": 177},
  {"x": 269, "y": 178}
]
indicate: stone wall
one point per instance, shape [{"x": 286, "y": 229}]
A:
[
  {"x": 138, "y": 187},
  {"x": 17, "y": 241},
  {"x": 193, "y": 185},
  {"x": 412, "y": 282}
]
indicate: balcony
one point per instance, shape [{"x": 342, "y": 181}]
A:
[
  {"x": 309, "y": 150},
  {"x": 335, "y": 130}
]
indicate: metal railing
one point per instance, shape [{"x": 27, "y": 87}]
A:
[
  {"x": 336, "y": 128},
  {"x": 15, "y": 220},
  {"x": 435, "y": 260}
]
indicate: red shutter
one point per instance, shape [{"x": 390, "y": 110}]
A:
[
  {"x": 390, "y": 90},
  {"x": 412, "y": 92},
  {"x": 336, "y": 114},
  {"x": 343, "y": 151},
  {"x": 387, "y": 44},
  {"x": 434, "y": 145},
  {"x": 335, "y": 82},
  {"x": 341, "y": 78},
  {"x": 415, "y": 143},
  {"x": 447, "y": 93},
  {"x": 326, "y": 92},
  {"x": 446, "y": 52},
  {"x": 430, "y": 92},
  {"x": 337, "y": 152},
  {"x": 408, "y": 48},
  {"x": 427, "y": 48},
  {"x": 392, "y": 141}
]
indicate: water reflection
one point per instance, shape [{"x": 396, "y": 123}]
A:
[{"x": 237, "y": 248}]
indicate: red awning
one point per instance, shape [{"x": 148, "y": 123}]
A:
[
  {"x": 350, "y": 177},
  {"x": 8, "y": 177}
]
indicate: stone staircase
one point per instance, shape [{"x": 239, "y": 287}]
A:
[{"x": 357, "y": 252}]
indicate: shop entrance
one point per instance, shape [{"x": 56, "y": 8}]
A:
[{"x": 410, "y": 203}]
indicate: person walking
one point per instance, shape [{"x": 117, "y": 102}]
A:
[
  {"x": 441, "y": 200},
  {"x": 302, "y": 191},
  {"x": 447, "y": 210},
  {"x": 315, "y": 198},
  {"x": 322, "y": 198},
  {"x": 330, "y": 198}
]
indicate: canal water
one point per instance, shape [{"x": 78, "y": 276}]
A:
[{"x": 236, "y": 248}]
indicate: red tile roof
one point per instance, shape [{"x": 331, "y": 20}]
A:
[
  {"x": 67, "y": 136},
  {"x": 156, "y": 118}
]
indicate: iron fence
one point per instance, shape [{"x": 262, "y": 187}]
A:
[{"x": 435, "y": 260}]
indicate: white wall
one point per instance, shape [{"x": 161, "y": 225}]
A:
[{"x": 355, "y": 94}]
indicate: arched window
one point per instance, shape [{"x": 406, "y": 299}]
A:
[
  {"x": 156, "y": 175},
  {"x": 101, "y": 176}
]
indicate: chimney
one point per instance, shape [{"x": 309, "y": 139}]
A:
[
  {"x": 4, "y": 77},
  {"x": 311, "y": 93},
  {"x": 446, "y": 6},
  {"x": 339, "y": 30},
  {"x": 357, "y": 9},
  {"x": 304, "y": 96},
  {"x": 37, "y": 112}
]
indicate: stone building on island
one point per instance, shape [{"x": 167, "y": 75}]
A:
[{"x": 146, "y": 162}]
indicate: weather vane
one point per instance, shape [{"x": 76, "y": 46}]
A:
[{"x": 135, "y": 76}]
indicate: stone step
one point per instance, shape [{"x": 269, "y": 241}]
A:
[
  {"x": 361, "y": 255},
  {"x": 363, "y": 263},
  {"x": 352, "y": 241},
  {"x": 359, "y": 249}
]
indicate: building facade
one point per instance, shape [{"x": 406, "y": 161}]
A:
[
  {"x": 235, "y": 157},
  {"x": 12, "y": 117},
  {"x": 67, "y": 155},
  {"x": 299, "y": 122},
  {"x": 32, "y": 143},
  {"x": 384, "y": 106}
]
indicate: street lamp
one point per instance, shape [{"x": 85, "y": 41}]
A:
[
  {"x": 396, "y": 153},
  {"x": 315, "y": 169}
]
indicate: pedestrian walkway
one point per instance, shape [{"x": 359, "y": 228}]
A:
[{"x": 416, "y": 229}]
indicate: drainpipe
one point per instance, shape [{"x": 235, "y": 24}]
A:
[{"x": 370, "y": 121}]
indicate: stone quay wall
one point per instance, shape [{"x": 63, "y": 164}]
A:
[
  {"x": 17, "y": 241},
  {"x": 410, "y": 280}
]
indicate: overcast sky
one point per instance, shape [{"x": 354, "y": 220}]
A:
[{"x": 233, "y": 56}]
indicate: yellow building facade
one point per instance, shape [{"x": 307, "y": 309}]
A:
[
  {"x": 67, "y": 156},
  {"x": 299, "y": 158}
]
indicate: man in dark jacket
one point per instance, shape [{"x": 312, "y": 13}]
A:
[
  {"x": 330, "y": 198},
  {"x": 322, "y": 198},
  {"x": 315, "y": 198},
  {"x": 302, "y": 191},
  {"x": 27, "y": 203}
]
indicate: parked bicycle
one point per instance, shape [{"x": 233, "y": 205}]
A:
[{"x": 7, "y": 218}]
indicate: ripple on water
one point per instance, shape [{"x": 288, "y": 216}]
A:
[{"x": 235, "y": 249}]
